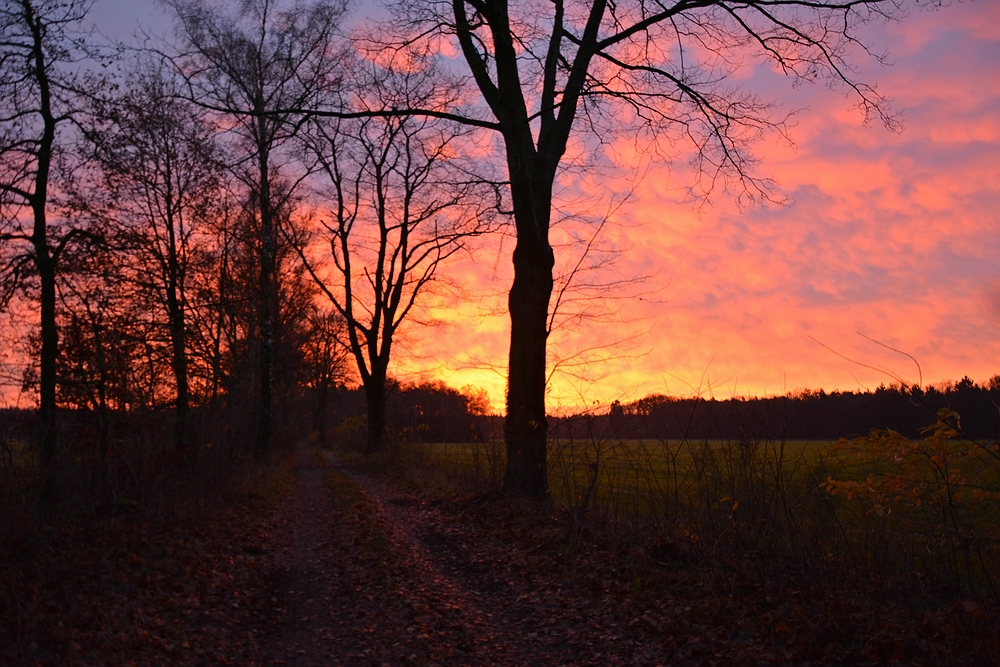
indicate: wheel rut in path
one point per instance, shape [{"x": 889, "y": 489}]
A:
[
  {"x": 457, "y": 607},
  {"x": 364, "y": 572},
  {"x": 304, "y": 625}
]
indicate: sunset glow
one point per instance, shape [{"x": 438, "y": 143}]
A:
[
  {"x": 888, "y": 236},
  {"x": 891, "y": 237}
]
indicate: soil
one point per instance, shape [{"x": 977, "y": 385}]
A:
[{"x": 394, "y": 579}]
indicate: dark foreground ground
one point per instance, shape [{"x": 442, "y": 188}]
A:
[{"x": 337, "y": 567}]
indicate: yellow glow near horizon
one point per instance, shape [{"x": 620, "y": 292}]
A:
[
  {"x": 890, "y": 236},
  {"x": 893, "y": 236}
]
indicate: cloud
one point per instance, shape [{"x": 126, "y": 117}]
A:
[{"x": 890, "y": 236}]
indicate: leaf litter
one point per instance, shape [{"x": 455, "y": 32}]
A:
[{"x": 348, "y": 568}]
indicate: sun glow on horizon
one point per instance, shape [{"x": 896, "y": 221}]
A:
[{"x": 889, "y": 242}]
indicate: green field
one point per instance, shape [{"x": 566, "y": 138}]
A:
[
  {"x": 883, "y": 503},
  {"x": 641, "y": 468}
]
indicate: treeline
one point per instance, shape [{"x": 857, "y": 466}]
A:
[
  {"x": 427, "y": 412},
  {"x": 805, "y": 415},
  {"x": 204, "y": 240}
]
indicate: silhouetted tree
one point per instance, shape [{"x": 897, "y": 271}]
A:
[
  {"x": 401, "y": 202},
  {"x": 256, "y": 64},
  {"x": 40, "y": 58},
  {"x": 327, "y": 358},
  {"x": 548, "y": 69},
  {"x": 220, "y": 318},
  {"x": 158, "y": 182},
  {"x": 104, "y": 333}
]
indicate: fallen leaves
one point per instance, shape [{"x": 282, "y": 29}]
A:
[{"x": 346, "y": 569}]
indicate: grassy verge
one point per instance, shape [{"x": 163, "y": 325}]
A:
[{"x": 916, "y": 516}]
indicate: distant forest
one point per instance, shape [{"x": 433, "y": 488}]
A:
[
  {"x": 434, "y": 412},
  {"x": 805, "y": 415}
]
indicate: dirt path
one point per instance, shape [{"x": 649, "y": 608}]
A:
[
  {"x": 376, "y": 575},
  {"x": 331, "y": 566},
  {"x": 468, "y": 610},
  {"x": 302, "y": 574},
  {"x": 356, "y": 576}
]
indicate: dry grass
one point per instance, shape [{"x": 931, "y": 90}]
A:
[{"x": 890, "y": 516}]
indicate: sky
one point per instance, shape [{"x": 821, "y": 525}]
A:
[{"x": 882, "y": 266}]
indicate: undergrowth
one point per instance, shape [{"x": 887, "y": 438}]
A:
[{"x": 881, "y": 514}]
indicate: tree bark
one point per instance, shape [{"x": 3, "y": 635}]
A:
[
  {"x": 44, "y": 261},
  {"x": 375, "y": 399},
  {"x": 526, "y": 427},
  {"x": 49, "y": 353},
  {"x": 178, "y": 335},
  {"x": 267, "y": 296}
]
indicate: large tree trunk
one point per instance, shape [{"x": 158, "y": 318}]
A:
[
  {"x": 45, "y": 262},
  {"x": 178, "y": 333},
  {"x": 375, "y": 399},
  {"x": 48, "y": 356},
  {"x": 526, "y": 428},
  {"x": 175, "y": 315}
]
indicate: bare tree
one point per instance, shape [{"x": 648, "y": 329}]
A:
[
  {"x": 327, "y": 361},
  {"x": 548, "y": 69},
  {"x": 218, "y": 318},
  {"x": 401, "y": 203},
  {"x": 104, "y": 332},
  {"x": 157, "y": 182},
  {"x": 251, "y": 63},
  {"x": 38, "y": 54}
]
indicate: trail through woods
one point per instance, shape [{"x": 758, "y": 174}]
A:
[
  {"x": 335, "y": 566},
  {"x": 386, "y": 577}
]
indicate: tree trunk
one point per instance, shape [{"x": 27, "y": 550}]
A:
[
  {"x": 267, "y": 299},
  {"x": 183, "y": 393},
  {"x": 526, "y": 428},
  {"x": 47, "y": 377},
  {"x": 45, "y": 262},
  {"x": 319, "y": 409},
  {"x": 103, "y": 410},
  {"x": 175, "y": 314},
  {"x": 375, "y": 398}
]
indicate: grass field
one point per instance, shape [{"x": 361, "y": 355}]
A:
[{"x": 884, "y": 505}]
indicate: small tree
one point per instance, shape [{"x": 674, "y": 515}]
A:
[
  {"x": 104, "y": 332},
  {"x": 327, "y": 359},
  {"x": 400, "y": 204}
]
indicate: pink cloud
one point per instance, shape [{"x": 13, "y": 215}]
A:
[{"x": 893, "y": 236}]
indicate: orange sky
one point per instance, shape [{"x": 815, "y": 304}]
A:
[{"x": 893, "y": 236}]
